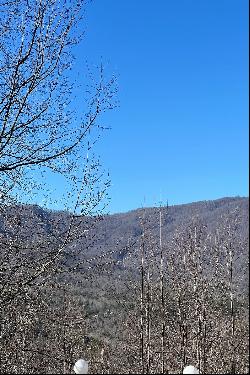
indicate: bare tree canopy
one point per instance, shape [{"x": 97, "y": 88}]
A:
[
  {"x": 38, "y": 126},
  {"x": 40, "y": 130}
]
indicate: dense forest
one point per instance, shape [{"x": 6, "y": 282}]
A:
[{"x": 151, "y": 290}]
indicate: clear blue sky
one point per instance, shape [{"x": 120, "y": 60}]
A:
[{"x": 181, "y": 131}]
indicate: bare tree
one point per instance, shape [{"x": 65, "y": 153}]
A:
[
  {"x": 185, "y": 312},
  {"x": 38, "y": 126},
  {"x": 39, "y": 129},
  {"x": 42, "y": 131}
]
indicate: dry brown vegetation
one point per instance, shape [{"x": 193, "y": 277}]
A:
[{"x": 179, "y": 304}]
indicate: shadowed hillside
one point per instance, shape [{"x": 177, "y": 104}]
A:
[{"x": 120, "y": 234}]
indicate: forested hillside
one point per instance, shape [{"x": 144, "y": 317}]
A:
[{"x": 131, "y": 292}]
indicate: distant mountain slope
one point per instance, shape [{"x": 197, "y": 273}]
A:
[
  {"x": 120, "y": 234},
  {"x": 125, "y": 225},
  {"x": 119, "y": 228}
]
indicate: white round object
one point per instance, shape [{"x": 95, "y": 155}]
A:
[
  {"x": 190, "y": 370},
  {"x": 81, "y": 367}
]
